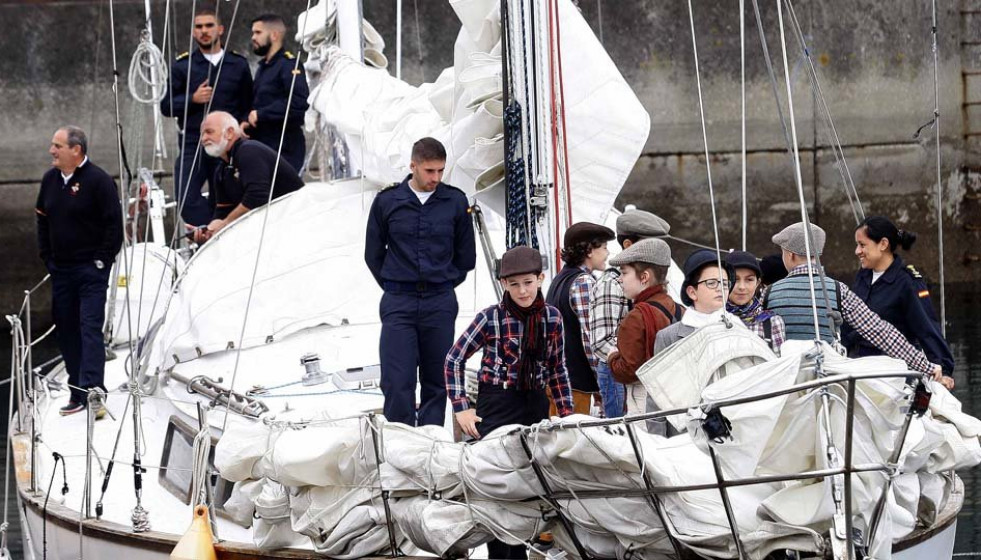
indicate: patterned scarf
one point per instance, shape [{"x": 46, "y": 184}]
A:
[
  {"x": 533, "y": 341},
  {"x": 751, "y": 313}
]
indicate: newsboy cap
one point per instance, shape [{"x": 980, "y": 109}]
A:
[
  {"x": 584, "y": 232},
  {"x": 744, "y": 259},
  {"x": 694, "y": 264},
  {"x": 520, "y": 260},
  {"x": 641, "y": 224},
  {"x": 792, "y": 239},
  {"x": 651, "y": 251}
]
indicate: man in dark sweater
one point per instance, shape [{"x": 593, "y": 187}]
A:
[
  {"x": 80, "y": 230},
  {"x": 250, "y": 170}
]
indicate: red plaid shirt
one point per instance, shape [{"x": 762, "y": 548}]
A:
[{"x": 500, "y": 335}]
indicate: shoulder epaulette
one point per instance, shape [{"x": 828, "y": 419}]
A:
[
  {"x": 236, "y": 53},
  {"x": 183, "y": 55},
  {"x": 913, "y": 272},
  {"x": 389, "y": 187},
  {"x": 457, "y": 189},
  {"x": 288, "y": 55}
]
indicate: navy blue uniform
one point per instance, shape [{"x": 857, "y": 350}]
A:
[
  {"x": 271, "y": 91},
  {"x": 79, "y": 222},
  {"x": 232, "y": 83},
  {"x": 247, "y": 178},
  {"x": 901, "y": 297},
  {"x": 418, "y": 253}
]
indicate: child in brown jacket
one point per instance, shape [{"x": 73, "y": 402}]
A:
[{"x": 645, "y": 268}]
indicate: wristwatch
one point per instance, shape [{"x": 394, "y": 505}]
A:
[{"x": 99, "y": 264}]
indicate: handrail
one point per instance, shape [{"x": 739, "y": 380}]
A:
[{"x": 816, "y": 383}]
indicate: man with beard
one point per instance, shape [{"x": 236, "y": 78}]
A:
[
  {"x": 209, "y": 79},
  {"x": 249, "y": 171},
  {"x": 277, "y": 76}
]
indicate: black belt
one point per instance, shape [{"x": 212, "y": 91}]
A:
[{"x": 417, "y": 287}]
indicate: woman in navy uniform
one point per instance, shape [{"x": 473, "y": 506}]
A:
[{"x": 896, "y": 292}]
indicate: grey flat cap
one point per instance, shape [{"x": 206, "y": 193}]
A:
[
  {"x": 792, "y": 239},
  {"x": 651, "y": 251},
  {"x": 641, "y": 224}
]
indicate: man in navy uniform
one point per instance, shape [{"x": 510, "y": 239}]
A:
[
  {"x": 79, "y": 231},
  {"x": 218, "y": 81},
  {"x": 246, "y": 174},
  {"x": 419, "y": 246},
  {"x": 271, "y": 91}
]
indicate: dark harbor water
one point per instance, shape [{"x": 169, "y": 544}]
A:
[{"x": 964, "y": 334}]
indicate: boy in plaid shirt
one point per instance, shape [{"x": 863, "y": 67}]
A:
[{"x": 522, "y": 340}]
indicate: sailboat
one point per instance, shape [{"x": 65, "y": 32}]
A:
[{"x": 258, "y": 396}]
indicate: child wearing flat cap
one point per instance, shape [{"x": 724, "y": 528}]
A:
[
  {"x": 584, "y": 250},
  {"x": 523, "y": 354},
  {"x": 645, "y": 268}
]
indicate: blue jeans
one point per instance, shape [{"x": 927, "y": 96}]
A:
[{"x": 611, "y": 391}]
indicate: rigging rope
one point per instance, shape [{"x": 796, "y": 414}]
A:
[
  {"x": 742, "y": 68},
  {"x": 516, "y": 202},
  {"x": 940, "y": 184},
  {"x": 265, "y": 218},
  {"x": 808, "y": 248},
  {"x": 147, "y": 62},
  {"x": 840, "y": 162},
  {"x": 708, "y": 161}
]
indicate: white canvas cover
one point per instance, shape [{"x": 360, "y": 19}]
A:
[
  {"x": 145, "y": 279},
  {"x": 675, "y": 377}
]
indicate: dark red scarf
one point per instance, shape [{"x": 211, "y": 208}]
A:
[{"x": 533, "y": 342}]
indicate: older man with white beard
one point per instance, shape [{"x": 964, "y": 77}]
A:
[{"x": 244, "y": 180}]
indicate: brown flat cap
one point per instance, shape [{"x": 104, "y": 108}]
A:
[
  {"x": 584, "y": 232},
  {"x": 520, "y": 260}
]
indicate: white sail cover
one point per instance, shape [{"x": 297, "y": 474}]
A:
[
  {"x": 381, "y": 116},
  {"x": 448, "y": 497}
]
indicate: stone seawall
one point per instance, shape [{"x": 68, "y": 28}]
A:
[{"x": 874, "y": 60}]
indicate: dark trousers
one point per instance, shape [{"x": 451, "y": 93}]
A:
[
  {"x": 294, "y": 144},
  {"x": 189, "y": 177},
  {"x": 79, "y": 309},
  {"x": 497, "y": 406},
  {"x": 417, "y": 332}
]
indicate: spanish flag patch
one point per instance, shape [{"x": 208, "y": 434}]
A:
[{"x": 923, "y": 293}]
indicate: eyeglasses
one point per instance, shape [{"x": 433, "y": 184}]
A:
[{"x": 713, "y": 283}]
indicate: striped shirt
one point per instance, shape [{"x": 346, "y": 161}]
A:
[
  {"x": 607, "y": 308},
  {"x": 500, "y": 334},
  {"x": 874, "y": 329}
]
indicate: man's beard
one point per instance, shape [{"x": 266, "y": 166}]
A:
[
  {"x": 216, "y": 150},
  {"x": 261, "y": 50},
  {"x": 206, "y": 46}
]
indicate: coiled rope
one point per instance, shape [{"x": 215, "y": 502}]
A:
[{"x": 147, "y": 72}]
